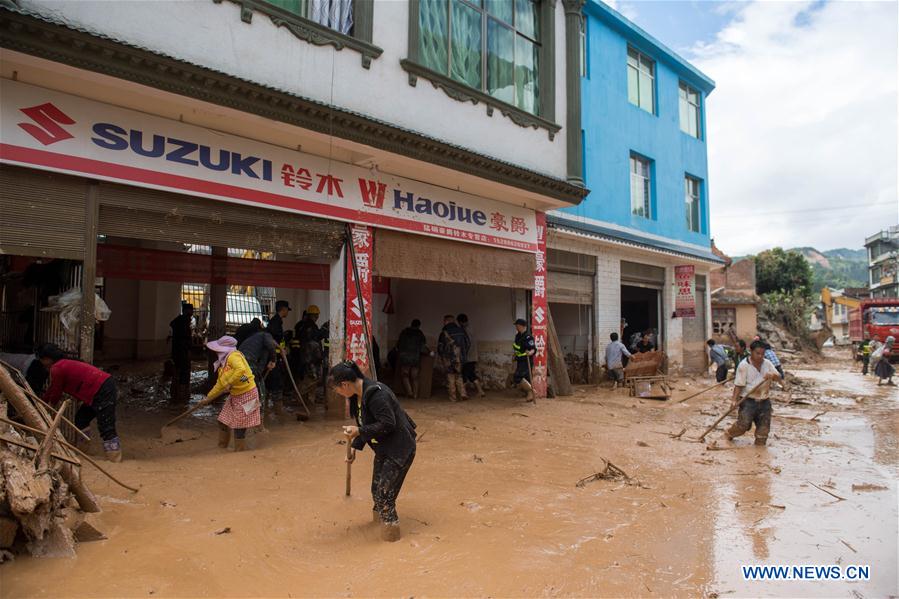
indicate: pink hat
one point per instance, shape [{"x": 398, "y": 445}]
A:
[{"x": 225, "y": 344}]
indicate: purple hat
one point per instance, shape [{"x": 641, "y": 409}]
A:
[{"x": 223, "y": 344}]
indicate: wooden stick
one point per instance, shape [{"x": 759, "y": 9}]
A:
[
  {"x": 294, "y": 383},
  {"x": 732, "y": 408},
  {"x": 201, "y": 404},
  {"x": 36, "y": 448},
  {"x": 727, "y": 380},
  {"x": 43, "y": 453},
  {"x": 349, "y": 465},
  {"x": 30, "y": 392},
  {"x": 16, "y": 396},
  {"x": 825, "y": 490},
  {"x": 75, "y": 449}
]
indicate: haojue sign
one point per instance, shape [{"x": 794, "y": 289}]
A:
[{"x": 50, "y": 130}]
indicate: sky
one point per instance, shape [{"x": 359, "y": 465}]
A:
[{"x": 802, "y": 126}]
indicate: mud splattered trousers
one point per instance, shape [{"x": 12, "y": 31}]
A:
[
  {"x": 522, "y": 370},
  {"x": 753, "y": 411},
  {"x": 387, "y": 479},
  {"x": 103, "y": 409}
]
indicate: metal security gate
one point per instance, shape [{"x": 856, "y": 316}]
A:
[
  {"x": 42, "y": 214},
  {"x": 148, "y": 214}
]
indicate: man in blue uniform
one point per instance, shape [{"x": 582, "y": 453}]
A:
[{"x": 524, "y": 348}]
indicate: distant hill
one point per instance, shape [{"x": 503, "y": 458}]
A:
[{"x": 838, "y": 268}]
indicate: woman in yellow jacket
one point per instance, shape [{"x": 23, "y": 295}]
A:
[{"x": 241, "y": 409}]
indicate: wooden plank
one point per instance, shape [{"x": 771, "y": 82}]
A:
[{"x": 558, "y": 370}]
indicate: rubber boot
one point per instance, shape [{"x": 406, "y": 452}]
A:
[
  {"x": 390, "y": 532},
  {"x": 477, "y": 385},
  {"x": 224, "y": 436},
  {"x": 527, "y": 389},
  {"x": 376, "y": 516},
  {"x": 407, "y": 386},
  {"x": 240, "y": 444},
  {"x": 451, "y": 386},
  {"x": 113, "y": 449},
  {"x": 463, "y": 393},
  {"x": 415, "y": 389},
  {"x": 279, "y": 409}
]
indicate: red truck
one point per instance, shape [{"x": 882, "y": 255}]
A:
[{"x": 875, "y": 318}]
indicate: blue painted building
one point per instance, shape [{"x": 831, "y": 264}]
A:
[{"x": 645, "y": 163}]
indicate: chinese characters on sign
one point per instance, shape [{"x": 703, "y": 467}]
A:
[
  {"x": 685, "y": 300},
  {"x": 540, "y": 316},
  {"x": 356, "y": 349}
]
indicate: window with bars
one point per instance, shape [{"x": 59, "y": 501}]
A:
[
  {"x": 641, "y": 80},
  {"x": 641, "y": 186},
  {"x": 690, "y": 111},
  {"x": 490, "y": 45},
  {"x": 334, "y": 14},
  {"x": 692, "y": 200}
]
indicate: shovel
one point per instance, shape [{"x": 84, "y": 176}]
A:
[
  {"x": 732, "y": 408},
  {"x": 183, "y": 415},
  {"x": 296, "y": 390}
]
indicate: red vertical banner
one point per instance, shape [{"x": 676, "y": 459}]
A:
[
  {"x": 539, "y": 316},
  {"x": 363, "y": 242}
]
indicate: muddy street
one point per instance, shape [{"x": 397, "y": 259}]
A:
[{"x": 491, "y": 506}]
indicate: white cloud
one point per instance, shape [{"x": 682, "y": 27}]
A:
[{"x": 803, "y": 119}]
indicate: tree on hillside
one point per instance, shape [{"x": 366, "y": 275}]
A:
[{"x": 786, "y": 271}]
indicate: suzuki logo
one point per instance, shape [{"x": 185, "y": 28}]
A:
[
  {"x": 539, "y": 315},
  {"x": 48, "y": 118}
]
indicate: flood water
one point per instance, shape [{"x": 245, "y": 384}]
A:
[{"x": 491, "y": 508}]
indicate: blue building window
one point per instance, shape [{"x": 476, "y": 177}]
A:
[
  {"x": 690, "y": 111},
  {"x": 641, "y": 80},
  {"x": 641, "y": 186},
  {"x": 693, "y": 203}
]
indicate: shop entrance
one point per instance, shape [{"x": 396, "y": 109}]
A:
[
  {"x": 430, "y": 278},
  {"x": 640, "y": 310}
]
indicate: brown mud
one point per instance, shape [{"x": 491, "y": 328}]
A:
[{"x": 490, "y": 507}]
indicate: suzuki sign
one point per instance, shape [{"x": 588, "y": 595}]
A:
[{"x": 59, "y": 132}]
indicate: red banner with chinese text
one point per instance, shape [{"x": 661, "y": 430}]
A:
[
  {"x": 685, "y": 300},
  {"x": 539, "y": 316},
  {"x": 356, "y": 349}
]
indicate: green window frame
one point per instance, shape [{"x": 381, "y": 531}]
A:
[
  {"x": 690, "y": 110},
  {"x": 641, "y": 80},
  {"x": 497, "y": 52},
  {"x": 296, "y": 16},
  {"x": 493, "y": 46},
  {"x": 641, "y": 186},
  {"x": 693, "y": 203}
]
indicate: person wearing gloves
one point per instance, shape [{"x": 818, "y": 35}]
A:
[
  {"x": 241, "y": 409},
  {"x": 95, "y": 389},
  {"x": 383, "y": 425}
]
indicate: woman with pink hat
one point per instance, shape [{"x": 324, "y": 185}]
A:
[{"x": 241, "y": 410}]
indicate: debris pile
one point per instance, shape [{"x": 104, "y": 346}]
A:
[{"x": 42, "y": 498}]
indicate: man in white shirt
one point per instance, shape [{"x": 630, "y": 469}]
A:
[{"x": 752, "y": 383}]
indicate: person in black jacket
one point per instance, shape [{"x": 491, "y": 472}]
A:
[
  {"x": 383, "y": 425},
  {"x": 276, "y": 378}
]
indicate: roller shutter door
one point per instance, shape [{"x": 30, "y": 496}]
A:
[
  {"x": 406, "y": 256},
  {"x": 42, "y": 214},
  {"x": 162, "y": 216},
  {"x": 642, "y": 275},
  {"x": 571, "y": 277}
]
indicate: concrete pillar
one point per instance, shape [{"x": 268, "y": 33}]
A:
[
  {"x": 336, "y": 405},
  {"x": 89, "y": 275}
]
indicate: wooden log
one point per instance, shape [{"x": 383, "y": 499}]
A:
[
  {"x": 16, "y": 397},
  {"x": 36, "y": 448},
  {"x": 67, "y": 445},
  {"x": 558, "y": 370},
  {"x": 42, "y": 460}
]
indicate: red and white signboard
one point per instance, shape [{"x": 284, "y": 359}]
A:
[
  {"x": 539, "y": 315},
  {"x": 685, "y": 300},
  {"x": 54, "y": 131},
  {"x": 356, "y": 349}
]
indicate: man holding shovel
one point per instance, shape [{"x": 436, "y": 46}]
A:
[{"x": 752, "y": 396}]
